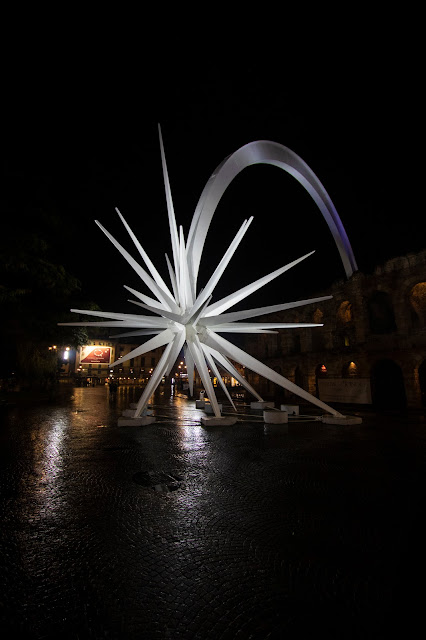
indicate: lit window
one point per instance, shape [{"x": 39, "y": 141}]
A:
[
  {"x": 318, "y": 316},
  {"x": 352, "y": 369},
  {"x": 344, "y": 313}
]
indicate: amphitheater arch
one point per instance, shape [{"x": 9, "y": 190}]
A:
[
  {"x": 345, "y": 313},
  {"x": 417, "y": 300},
  {"x": 350, "y": 370}
]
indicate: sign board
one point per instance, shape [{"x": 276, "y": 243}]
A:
[
  {"x": 95, "y": 354},
  {"x": 352, "y": 390}
]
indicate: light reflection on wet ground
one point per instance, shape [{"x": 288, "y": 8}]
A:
[{"x": 175, "y": 530}]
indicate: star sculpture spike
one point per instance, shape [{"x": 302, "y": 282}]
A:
[{"x": 184, "y": 319}]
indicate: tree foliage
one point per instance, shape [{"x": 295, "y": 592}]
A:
[{"x": 36, "y": 293}]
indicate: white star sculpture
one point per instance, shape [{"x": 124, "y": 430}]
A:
[{"x": 190, "y": 320}]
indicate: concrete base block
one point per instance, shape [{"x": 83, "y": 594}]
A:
[
  {"x": 128, "y": 413},
  {"x": 261, "y": 405},
  {"x": 292, "y": 409},
  {"x": 146, "y": 412},
  {"x": 223, "y": 421},
  {"x": 329, "y": 419},
  {"x": 275, "y": 417},
  {"x": 135, "y": 422},
  {"x": 200, "y": 404},
  {"x": 209, "y": 409}
]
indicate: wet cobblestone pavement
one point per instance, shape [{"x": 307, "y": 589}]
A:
[{"x": 175, "y": 530}]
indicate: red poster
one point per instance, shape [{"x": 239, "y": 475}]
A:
[{"x": 91, "y": 355}]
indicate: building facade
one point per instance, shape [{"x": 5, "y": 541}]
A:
[
  {"x": 371, "y": 348},
  {"x": 89, "y": 365}
]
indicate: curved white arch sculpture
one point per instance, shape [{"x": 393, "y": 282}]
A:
[
  {"x": 262, "y": 152},
  {"x": 186, "y": 319}
]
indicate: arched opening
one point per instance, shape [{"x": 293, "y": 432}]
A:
[
  {"x": 344, "y": 334},
  {"x": 382, "y": 319},
  {"x": 349, "y": 370},
  {"x": 320, "y": 372},
  {"x": 422, "y": 382},
  {"x": 318, "y": 316},
  {"x": 344, "y": 312},
  {"x": 417, "y": 299},
  {"x": 387, "y": 385}
]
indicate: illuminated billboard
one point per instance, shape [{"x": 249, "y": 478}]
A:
[{"x": 95, "y": 354}]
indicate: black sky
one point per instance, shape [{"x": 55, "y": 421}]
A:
[{"x": 85, "y": 145}]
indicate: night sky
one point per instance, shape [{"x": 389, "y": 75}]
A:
[{"x": 87, "y": 145}]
